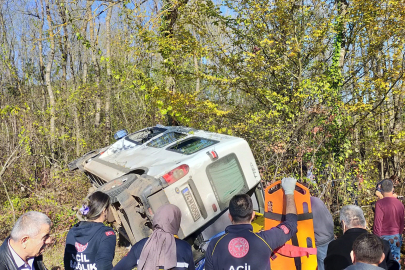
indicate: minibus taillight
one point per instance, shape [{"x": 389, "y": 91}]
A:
[{"x": 176, "y": 174}]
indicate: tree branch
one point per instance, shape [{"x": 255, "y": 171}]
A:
[{"x": 8, "y": 162}]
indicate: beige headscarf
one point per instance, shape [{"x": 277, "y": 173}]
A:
[{"x": 160, "y": 249}]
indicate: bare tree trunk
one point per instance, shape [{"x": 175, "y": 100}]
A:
[
  {"x": 87, "y": 17},
  {"x": 398, "y": 104},
  {"x": 74, "y": 107},
  {"x": 382, "y": 160},
  {"x": 97, "y": 71},
  {"x": 14, "y": 155},
  {"x": 63, "y": 44},
  {"x": 42, "y": 86},
  {"x": 342, "y": 5},
  {"x": 196, "y": 69},
  {"x": 48, "y": 70},
  {"x": 64, "y": 55},
  {"x": 169, "y": 20},
  {"x": 109, "y": 85}
]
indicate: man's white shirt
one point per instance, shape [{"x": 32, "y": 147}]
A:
[{"x": 21, "y": 265}]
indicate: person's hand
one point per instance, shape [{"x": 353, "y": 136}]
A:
[{"x": 288, "y": 185}]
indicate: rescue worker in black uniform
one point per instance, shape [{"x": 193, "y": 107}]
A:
[
  {"x": 90, "y": 245},
  {"x": 241, "y": 249}
]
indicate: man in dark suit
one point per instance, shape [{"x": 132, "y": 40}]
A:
[
  {"x": 28, "y": 239},
  {"x": 354, "y": 225}
]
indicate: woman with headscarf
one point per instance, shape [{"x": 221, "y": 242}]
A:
[
  {"x": 162, "y": 250},
  {"x": 90, "y": 244}
]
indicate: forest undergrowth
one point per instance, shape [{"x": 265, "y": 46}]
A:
[
  {"x": 315, "y": 87},
  {"x": 61, "y": 196}
]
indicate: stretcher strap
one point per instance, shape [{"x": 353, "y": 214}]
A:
[
  {"x": 294, "y": 251},
  {"x": 280, "y": 217},
  {"x": 297, "y": 260}
]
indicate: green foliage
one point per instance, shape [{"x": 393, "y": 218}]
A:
[{"x": 305, "y": 83}]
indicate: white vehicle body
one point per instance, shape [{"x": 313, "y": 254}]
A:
[{"x": 208, "y": 169}]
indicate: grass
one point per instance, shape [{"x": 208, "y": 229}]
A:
[
  {"x": 53, "y": 256},
  {"x": 59, "y": 199}
]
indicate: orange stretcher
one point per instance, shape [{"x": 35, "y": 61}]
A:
[{"x": 299, "y": 252}]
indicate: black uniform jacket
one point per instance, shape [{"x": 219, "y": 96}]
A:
[
  {"x": 338, "y": 255},
  {"x": 89, "y": 246},
  {"x": 242, "y": 249},
  {"x": 183, "y": 253}
]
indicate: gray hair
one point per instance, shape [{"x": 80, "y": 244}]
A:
[
  {"x": 387, "y": 186},
  {"x": 29, "y": 224},
  {"x": 353, "y": 216}
]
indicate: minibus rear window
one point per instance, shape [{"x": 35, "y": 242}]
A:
[
  {"x": 166, "y": 139},
  {"x": 144, "y": 135},
  {"x": 192, "y": 145}
]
